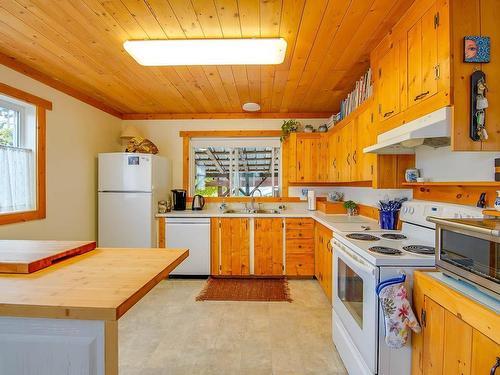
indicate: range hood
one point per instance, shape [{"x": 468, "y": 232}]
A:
[{"x": 433, "y": 129}]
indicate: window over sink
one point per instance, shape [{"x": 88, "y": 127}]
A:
[{"x": 235, "y": 167}]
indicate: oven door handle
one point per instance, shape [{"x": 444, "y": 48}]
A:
[{"x": 356, "y": 259}]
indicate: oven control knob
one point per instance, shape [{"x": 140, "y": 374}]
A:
[{"x": 412, "y": 210}]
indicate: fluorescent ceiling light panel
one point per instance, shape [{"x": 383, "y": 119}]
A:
[{"x": 207, "y": 51}]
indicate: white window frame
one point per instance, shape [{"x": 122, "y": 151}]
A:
[
  {"x": 21, "y": 126},
  {"x": 233, "y": 142}
]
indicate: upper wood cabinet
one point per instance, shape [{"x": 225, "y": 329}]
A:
[
  {"x": 423, "y": 65},
  {"x": 268, "y": 246},
  {"x": 410, "y": 66},
  {"x": 363, "y": 135},
  {"x": 305, "y": 150},
  {"x": 389, "y": 68},
  {"x": 418, "y": 68}
]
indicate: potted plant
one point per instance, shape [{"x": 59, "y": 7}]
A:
[
  {"x": 289, "y": 126},
  {"x": 351, "y": 207}
]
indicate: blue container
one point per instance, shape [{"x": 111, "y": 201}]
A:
[{"x": 389, "y": 219}]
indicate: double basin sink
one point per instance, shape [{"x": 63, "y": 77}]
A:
[{"x": 271, "y": 211}]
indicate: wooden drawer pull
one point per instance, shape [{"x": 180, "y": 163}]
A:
[{"x": 421, "y": 96}]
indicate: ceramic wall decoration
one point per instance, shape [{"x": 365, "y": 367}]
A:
[
  {"x": 412, "y": 174},
  {"x": 323, "y": 128},
  {"x": 477, "y": 49},
  {"x": 335, "y": 196}
]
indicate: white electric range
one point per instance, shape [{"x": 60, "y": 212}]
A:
[{"x": 363, "y": 259}]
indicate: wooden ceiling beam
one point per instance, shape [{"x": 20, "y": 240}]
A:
[{"x": 233, "y": 115}]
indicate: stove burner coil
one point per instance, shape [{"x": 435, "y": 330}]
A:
[
  {"x": 362, "y": 237},
  {"x": 420, "y": 249},
  {"x": 385, "y": 250},
  {"x": 394, "y": 236}
]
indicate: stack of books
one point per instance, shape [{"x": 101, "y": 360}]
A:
[{"x": 362, "y": 91}]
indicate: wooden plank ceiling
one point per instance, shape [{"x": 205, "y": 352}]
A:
[{"x": 76, "y": 45}]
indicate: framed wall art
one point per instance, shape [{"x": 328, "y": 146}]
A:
[{"x": 477, "y": 49}]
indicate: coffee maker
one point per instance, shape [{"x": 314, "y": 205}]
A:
[{"x": 179, "y": 199}]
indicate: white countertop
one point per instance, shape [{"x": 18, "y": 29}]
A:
[{"x": 335, "y": 222}]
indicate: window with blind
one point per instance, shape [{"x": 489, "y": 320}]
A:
[
  {"x": 235, "y": 167},
  {"x": 17, "y": 155}
]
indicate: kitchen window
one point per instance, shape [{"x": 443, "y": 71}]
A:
[
  {"x": 22, "y": 155},
  {"x": 235, "y": 167}
]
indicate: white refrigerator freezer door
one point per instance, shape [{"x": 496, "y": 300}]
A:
[
  {"x": 126, "y": 220},
  {"x": 125, "y": 172}
]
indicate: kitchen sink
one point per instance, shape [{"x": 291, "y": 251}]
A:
[{"x": 261, "y": 211}]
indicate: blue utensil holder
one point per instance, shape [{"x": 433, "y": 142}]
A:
[{"x": 389, "y": 219}]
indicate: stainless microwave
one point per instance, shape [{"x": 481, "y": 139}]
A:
[{"x": 470, "y": 249}]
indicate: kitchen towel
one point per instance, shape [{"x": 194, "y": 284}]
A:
[{"x": 398, "y": 315}]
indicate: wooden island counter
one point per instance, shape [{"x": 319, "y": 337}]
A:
[{"x": 64, "y": 319}]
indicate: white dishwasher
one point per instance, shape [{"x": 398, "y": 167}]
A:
[{"x": 194, "y": 234}]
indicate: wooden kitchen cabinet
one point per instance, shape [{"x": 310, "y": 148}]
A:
[
  {"x": 300, "y": 258},
  {"x": 230, "y": 246},
  {"x": 423, "y": 66},
  {"x": 388, "y": 65},
  {"x": 323, "y": 258},
  {"x": 363, "y": 135},
  {"x": 268, "y": 246},
  {"x": 459, "y": 336},
  {"x": 304, "y": 156}
]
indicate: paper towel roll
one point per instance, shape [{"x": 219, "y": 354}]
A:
[{"x": 311, "y": 200}]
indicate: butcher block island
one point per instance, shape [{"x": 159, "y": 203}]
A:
[{"x": 63, "y": 319}]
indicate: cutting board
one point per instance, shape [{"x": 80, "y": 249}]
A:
[{"x": 24, "y": 256}]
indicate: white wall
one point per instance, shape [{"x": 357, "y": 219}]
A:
[
  {"x": 165, "y": 134},
  {"x": 363, "y": 195},
  {"x": 441, "y": 164},
  {"x": 76, "y": 132}
]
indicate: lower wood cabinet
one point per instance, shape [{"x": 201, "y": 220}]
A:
[
  {"x": 230, "y": 246},
  {"x": 458, "y": 335},
  {"x": 276, "y": 246},
  {"x": 268, "y": 246},
  {"x": 299, "y": 246},
  {"x": 323, "y": 258}
]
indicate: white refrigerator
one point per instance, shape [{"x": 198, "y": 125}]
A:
[{"x": 129, "y": 188}]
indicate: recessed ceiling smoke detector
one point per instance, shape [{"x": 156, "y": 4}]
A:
[{"x": 251, "y": 107}]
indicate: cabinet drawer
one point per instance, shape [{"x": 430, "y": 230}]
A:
[
  {"x": 300, "y": 264},
  {"x": 299, "y": 223},
  {"x": 300, "y": 245},
  {"x": 297, "y": 233}
]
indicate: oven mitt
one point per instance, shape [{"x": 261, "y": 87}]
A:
[{"x": 398, "y": 315}]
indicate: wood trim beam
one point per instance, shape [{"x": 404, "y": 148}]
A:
[
  {"x": 58, "y": 85},
  {"x": 229, "y": 115},
  {"x": 185, "y": 163},
  {"x": 229, "y": 133},
  {"x": 25, "y": 96}
]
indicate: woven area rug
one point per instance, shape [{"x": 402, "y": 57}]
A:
[{"x": 245, "y": 289}]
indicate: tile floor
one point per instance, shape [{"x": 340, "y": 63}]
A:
[{"x": 168, "y": 332}]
